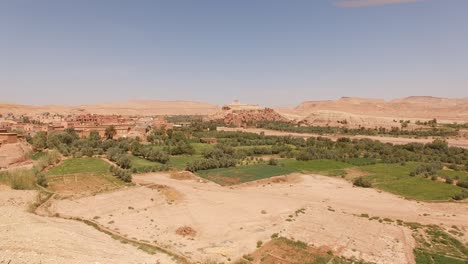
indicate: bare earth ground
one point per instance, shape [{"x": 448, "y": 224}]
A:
[
  {"x": 229, "y": 221},
  {"x": 458, "y": 142},
  {"x": 28, "y": 238}
]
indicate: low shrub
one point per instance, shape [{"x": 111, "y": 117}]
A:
[
  {"x": 259, "y": 243},
  {"x": 361, "y": 182},
  {"x": 463, "y": 184},
  {"x": 124, "y": 175}
]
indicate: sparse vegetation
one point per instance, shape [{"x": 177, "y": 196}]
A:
[
  {"x": 296, "y": 252},
  {"x": 21, "y": 179},
  {"x": 437, "y": 246},
  {"x": 394, "y": 131}
]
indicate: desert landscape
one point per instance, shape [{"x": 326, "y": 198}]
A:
[
  {"x": 248, "y": 191},
  {"x": 234, "y": 132}
]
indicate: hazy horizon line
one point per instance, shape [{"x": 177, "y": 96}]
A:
[{"x": 220, "y": 104}]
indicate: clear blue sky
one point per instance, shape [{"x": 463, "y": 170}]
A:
[{"x": 276, "y": 53}]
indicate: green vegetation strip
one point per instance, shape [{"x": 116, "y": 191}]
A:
[{"x": 390, "y": 177}]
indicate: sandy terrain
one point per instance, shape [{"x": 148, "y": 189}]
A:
[
  {"x": 458, "y": 142},
  {"x": 32, "y": 239},
  {"x": 228, "y": 221},
  {"x": 135, "y": 107}
]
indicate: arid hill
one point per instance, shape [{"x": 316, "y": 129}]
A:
[
  {"x": 423, "y": 107},
  {"x": 378, "y": 112},
  {"x": 134, "y": 107}
]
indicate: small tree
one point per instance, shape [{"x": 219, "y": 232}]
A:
[
  {"x": 272, "y": 162},
  {"x": 124, "y": 161},
  {"x": 110, "y": 132},
  {"x": 94, "y": 135},
  {"x": 39, "y": 141}
]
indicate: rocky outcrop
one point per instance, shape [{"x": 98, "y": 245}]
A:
[{"x": 14, "y": 153}]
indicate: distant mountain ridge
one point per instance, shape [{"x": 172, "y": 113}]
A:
[
  {"x": 413, "y": 107},
  {"x": 133, "y": 107}
]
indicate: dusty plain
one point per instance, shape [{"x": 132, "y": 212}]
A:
[
  {"x": 228, "y": 221},
  {"x": 31, "y": 239}
]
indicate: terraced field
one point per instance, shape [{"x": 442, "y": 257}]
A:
[{"x": 82, "y": 176}]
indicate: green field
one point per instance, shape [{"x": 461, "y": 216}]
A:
[
  {"x": 180, "y": 162},
  {"x": 80, "y": 165},
  {"x": 240, "y": 174},
  {"x": 324, "y": 167},
  {"x": 82, "y": 176},
  {"x": 394, "y": 178}
]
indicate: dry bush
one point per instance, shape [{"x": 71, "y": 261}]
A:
[{"x": 186, "y": 231}]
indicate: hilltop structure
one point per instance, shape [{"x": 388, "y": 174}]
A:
[
  {"x": 236, "y": 105},
  {"x": 238, "y": 114}
]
